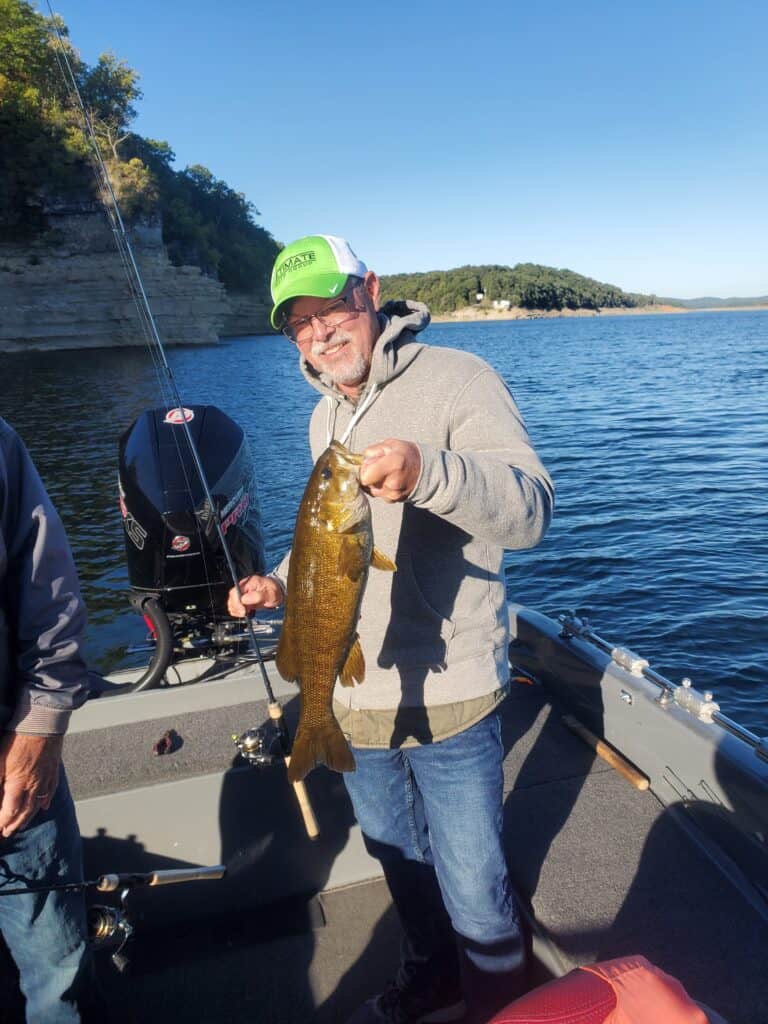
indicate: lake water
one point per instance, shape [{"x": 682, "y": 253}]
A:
[{"x": 654, "y": 428}]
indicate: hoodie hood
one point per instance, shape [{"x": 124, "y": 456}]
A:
[{"x": 395, "y": 349}]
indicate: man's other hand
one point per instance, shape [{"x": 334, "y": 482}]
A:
[
  {"x": 29, "y": 776},
  {"x": 256, "y": 592},
  {"x": 390, "y": 469}
]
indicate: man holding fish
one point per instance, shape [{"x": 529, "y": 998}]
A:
[{"x": 401, "y": 672}]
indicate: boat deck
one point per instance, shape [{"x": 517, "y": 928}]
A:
[{"x": 605, "y": 869}]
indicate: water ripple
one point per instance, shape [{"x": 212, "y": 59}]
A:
[{"x": 655, "y": 430}]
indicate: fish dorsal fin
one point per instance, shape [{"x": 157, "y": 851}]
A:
[
  {"x": 351, "y": 557},
  {"x": 380, "y": 561},
  {"x": 354, "y": 667}
]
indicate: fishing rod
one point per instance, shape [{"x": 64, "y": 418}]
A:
[
  {"x": 113, "y": 924},
  {"x": 165, "y": 374}
]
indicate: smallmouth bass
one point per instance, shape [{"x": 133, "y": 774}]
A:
[{"x": 330, "y": 557}]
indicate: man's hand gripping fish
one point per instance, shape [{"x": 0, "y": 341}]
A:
[{"x": 331, "y": 553}]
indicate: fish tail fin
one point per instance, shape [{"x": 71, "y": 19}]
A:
[{"x": 326, "y": 745}]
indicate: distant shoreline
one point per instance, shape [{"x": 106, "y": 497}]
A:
[{"x": 473, "y": 314}]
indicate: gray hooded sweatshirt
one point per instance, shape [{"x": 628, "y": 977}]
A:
[{"x": 435, "y": 633}]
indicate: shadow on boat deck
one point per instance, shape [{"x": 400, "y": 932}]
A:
[
  {"x": 605, "y": 871},
  {"x": 303, "y": 961},
  {"x": 608, "y": 871}
]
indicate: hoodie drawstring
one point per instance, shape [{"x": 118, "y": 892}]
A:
[
  {"x": 356, "y": 416},
  {"x": 330, "y": 423}
]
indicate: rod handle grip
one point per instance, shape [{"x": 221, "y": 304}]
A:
[
  {"x": 310, "y": 821},
  {"x": 110, "y": 883},
  {"x": 609, "y": 754},
  {"x": 188, "y": 875},
  {"x": 302, "y": 796}
]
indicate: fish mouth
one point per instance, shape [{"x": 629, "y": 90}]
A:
[{"x": 345, "y": 455}]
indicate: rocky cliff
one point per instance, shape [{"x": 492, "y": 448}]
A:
[
  {"x": 248, "y": 314},
  {"x": 68, "y": 289}
]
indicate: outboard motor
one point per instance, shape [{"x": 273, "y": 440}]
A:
[{"x": 172, "y": 545}]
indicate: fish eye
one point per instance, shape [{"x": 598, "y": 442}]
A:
[{"x": 326, "y": 473}]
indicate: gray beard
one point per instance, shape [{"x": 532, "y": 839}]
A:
[
  {"x": 349, "y": 373},
  {"x": 353, "y": 373}
]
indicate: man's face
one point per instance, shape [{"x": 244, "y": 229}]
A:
[{"x": 342, "y": 353}]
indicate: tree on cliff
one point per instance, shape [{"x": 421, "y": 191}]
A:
[
  {"x": 109, "y": 92},
  {"x": 205, "y": 222},
  {"x": 40, "y": 148},
  {"x": 44, "y": 157}
]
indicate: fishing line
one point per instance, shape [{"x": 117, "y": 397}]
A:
[
  {"x": 168, "y": 391},
  {"x": 105, "y": 189},
  {"x": 149, "y": 326},
  {"x": 165, "y": 375}
]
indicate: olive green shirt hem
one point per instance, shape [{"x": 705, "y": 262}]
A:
[{"x": 388, "y": 728}]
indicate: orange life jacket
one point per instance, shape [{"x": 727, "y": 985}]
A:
[
  {"x": 630, "y": 990},
  {"x": 645, "y": 994}
]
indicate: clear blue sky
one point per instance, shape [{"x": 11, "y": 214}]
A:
[{"x": 624, "y": 141}]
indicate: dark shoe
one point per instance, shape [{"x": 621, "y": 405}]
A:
[{"x": 417, "y": 996}]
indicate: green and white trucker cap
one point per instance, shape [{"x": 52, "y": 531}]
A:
[{"x": 317, "y": 265}]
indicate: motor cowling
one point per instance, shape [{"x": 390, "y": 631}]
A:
[{"x": 172, "y": 544}]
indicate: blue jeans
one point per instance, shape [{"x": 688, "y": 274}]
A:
[
  {"x": 46, "y": 933},
  {"x": 433, "y": 815}
]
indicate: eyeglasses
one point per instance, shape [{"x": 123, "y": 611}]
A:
[{"x": 299, "y": 329}]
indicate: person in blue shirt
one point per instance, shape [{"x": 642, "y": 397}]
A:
[{"x": 43, "y": 678}]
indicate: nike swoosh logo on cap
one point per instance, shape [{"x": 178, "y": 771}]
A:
[{"x": 333, "y": 288}]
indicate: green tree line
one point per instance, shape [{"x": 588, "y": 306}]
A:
[
  {"x": 44, "y": 161},
  {"x": 527, "y": 285},
  {"x": 45, "y": 157}
]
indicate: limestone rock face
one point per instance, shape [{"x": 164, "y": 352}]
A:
[
  {"x": 68, "y": 289},
  {"x": 248, "y": 314}
]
